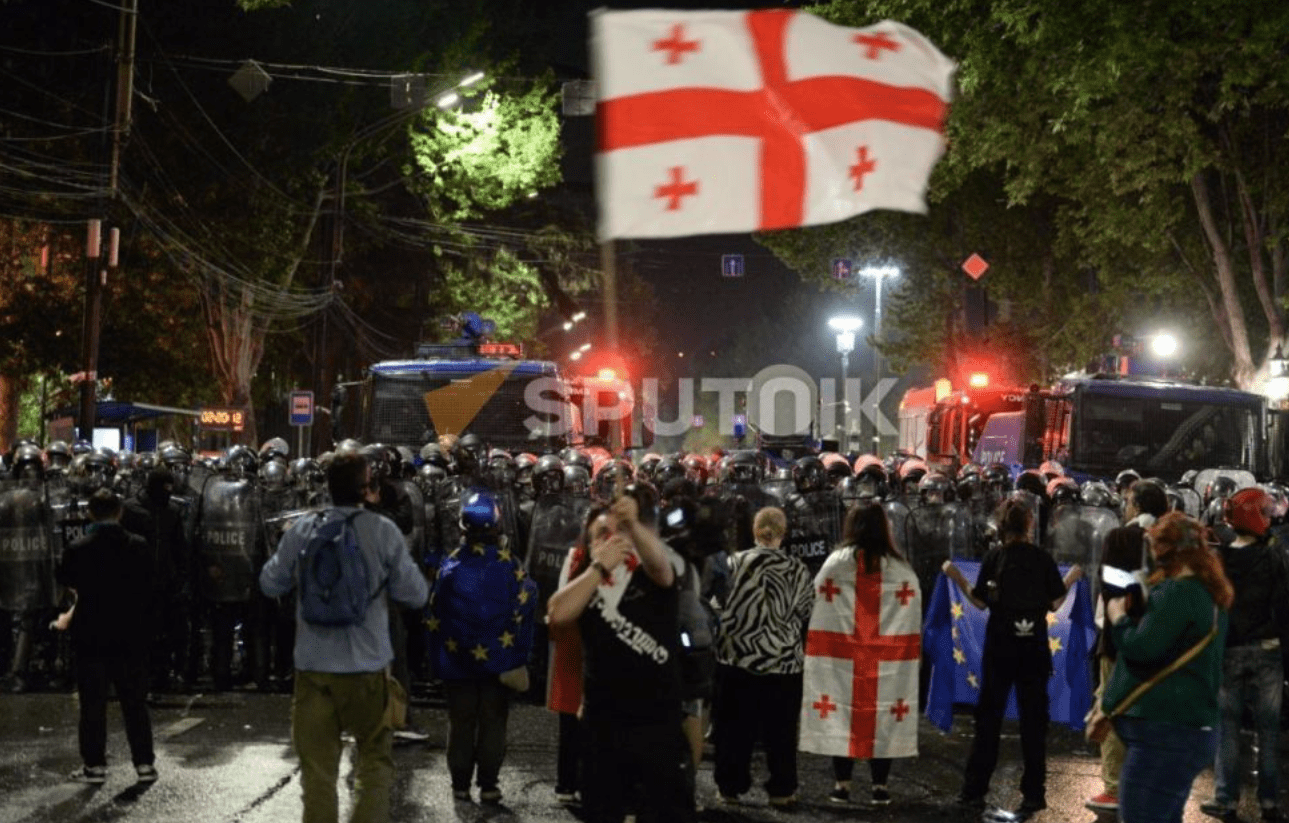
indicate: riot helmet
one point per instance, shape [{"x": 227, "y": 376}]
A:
[
  {"x": 871, "y": 474},
  {"x": 82, "y": 446},
  {"x": 548, "y": 475},
  {"x": 695, "y": 469},
  {"x": 836, "y": 467},
  {"x": 433, "y": 454},
  {"x": 1062, "y": 490},
  {"x": 808, "y": 474},
  {"x": 240, "y": 462},
  {"x": 429, "y": 476},
  {"x": 648, "y": 463},
  {"x": 669, "y": 468},
  {"x": 998, "y": 478},
  {"x": 90, "y": 471},
  {"x": 1124, "y": 479},
  {"x": 577, "y": 480},
  {"x": 1187, "y": 480},
  {"x": 27, "y": 463},
  {"x": 59, "y": 455},
  {"x": 911, "y": 472},
  {"x": 501, "y": 467},
  {"x": 275, "y": 448},
  {"x": 854, "y": 493},
  {"x": 304, "y": 473},
  {"x": 406, "y": 461},
  {"x": 1097, "y": 493},
  {"x": 273, "y": 475},
  {"x": 609, "y": 477},
  {"x": 1032, "y": 482},
  {"x": 575, "y": 457},
  {"x": 934, "y": 488},
  {"x": 743, "y": 468},
  {"x": 524, "y": 464},
  {"x": 1220, "y": 488},
  {"x": 349, "y": 444}
]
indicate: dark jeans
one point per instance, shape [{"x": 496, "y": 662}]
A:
[
  {"x": 1027, "y": 665},
  {"x": 477, "y": 713},
  {"x": 128, "y": 672},
  {"x": 751, "y": 705},
  {"x": 1252, "y": 677},
  {"x": 1161, "y": 763},
  {"x": 639, "y": 764},
  {"x": 879, "y": 769}
]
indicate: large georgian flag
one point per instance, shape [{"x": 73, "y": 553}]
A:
[
  {"x": 736, "y": 121},
  {"x": 860, "y": 694}
]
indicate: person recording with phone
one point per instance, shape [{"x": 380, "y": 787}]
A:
[{"x": 1168, "y": 671}]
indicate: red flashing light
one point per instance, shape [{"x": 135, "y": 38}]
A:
[
  {"x": 978, "y": 380},
  {"x": 607, "y": 374}
]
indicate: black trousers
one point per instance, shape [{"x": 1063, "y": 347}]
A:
[
  {"x": 637, "y": 765},
  {"x": 568, "y": 763},
  {"x": 749, "y": 706},
  {"x": 128, "y": 672},
  {"x": 477, "y": 712},
  {"x": 879, "y": 769},
  {"x": 1027, "y": 665}
]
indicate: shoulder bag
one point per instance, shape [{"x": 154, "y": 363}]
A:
[{"x": 1096, "y": 725}]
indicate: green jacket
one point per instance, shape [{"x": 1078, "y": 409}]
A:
[{"x": 1179, "y": 612}]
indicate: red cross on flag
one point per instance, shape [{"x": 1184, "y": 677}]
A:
[
  {"x": 862, "y": 654},
  {"x": 736, "y": 121}
]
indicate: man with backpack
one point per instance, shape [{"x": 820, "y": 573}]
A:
[{"x": 345, "y": 562}]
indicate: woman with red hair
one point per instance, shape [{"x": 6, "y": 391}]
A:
[{"x": 1170, "y": 732}]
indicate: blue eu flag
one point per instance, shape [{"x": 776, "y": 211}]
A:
[{"x": 953, "y": 638}]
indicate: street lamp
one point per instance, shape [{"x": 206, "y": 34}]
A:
[
  {"x": 845, "y": 326},
  {"x": 878, "y": 274}
]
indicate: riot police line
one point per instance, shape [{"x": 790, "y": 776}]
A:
[{"x": 212, "y": 523}]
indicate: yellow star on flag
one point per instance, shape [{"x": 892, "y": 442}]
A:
[
  {"x": 507, "y": 640},
  {"x": 956, "y": 610},
  {"x": 450, "y": 644},
  {"x": 432, "y": 623},
  {"x": 953, "y": 632},
  {"x": 503, "y": 554},
  {"x": 479, "y": 652},
  {"x": 519, "y": 574},
  {"x": 972, "y": 681},
  {"x": 958, "y": 656},
  {"x": 519, "y": 618},
  {"x": 477, "y": 548},
  {"x": 1052, "y": 619},
  {"x": 1054, "y": 643},
  {"x": 523, "y": 596}
]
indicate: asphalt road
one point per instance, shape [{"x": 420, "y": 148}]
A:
[{"x": 227, "y": 758}]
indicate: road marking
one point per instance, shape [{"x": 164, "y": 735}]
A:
[{"x": 179, "y": 727}]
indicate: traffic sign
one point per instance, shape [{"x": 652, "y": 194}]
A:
[
  {"x": 975, "y": 266},
  {"x": 842, "y": 268},
  {"x": 301, "y": 408},
  {"x": 732, "y": 265},
  {"x": 697, "y": 422}
]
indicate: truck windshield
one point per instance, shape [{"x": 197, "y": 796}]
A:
[
  {"x": 398, "y": 413},
  {"x": 1164, "y": 436}
]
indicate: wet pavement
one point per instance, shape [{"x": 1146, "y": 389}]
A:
[{"x": 227, "y": 758}]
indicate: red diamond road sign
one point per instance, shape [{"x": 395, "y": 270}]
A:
[{"x": 975, "y": 266}]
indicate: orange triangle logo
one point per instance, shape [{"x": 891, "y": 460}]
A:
[{"x": 452, "y": 407}]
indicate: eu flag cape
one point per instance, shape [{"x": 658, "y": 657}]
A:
[{"x": 953, "y": 638}]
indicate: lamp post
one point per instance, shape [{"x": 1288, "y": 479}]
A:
[
  {"x": 845, "y": 326},
  {"x": 877, "y": 274}
]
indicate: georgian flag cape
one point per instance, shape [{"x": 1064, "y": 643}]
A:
[
  {"x": 737, "y": 121},
  {"x": 860, "y": 693}
]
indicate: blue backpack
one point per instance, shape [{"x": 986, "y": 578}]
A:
[{"x": 334, "y": 586}]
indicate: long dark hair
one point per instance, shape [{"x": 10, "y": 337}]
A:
[
  {"x": 868, "y": 531},
  {"x": 582, "y": 551}
]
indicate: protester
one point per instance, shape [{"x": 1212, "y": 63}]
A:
[
  {"x": 341, "y": 671},
  {"x": 111, "y": 575},
  {"x": 760, "y": 648},
  {"x": 481, "y": 632},
  {"x": 1124, "y": 549},
  {"x": 623, "y": 597},
  {"x": 1019, "y": 584},
  {"x": 1252, "y": 668},
  {"x": 1170, "y": 732},
  {"x": 868, "y": 601}
]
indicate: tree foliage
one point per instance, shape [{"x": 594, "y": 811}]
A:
[{"x": 1119, "y": 166}]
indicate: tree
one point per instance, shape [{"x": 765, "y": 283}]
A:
[{"x": 1142, "y": 141}]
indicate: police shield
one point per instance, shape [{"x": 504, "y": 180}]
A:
[
  {"x": 897, "y": 515},
  {"x": 1077, "y": 533},
  {"x": 230, "y": 541},
  {"x": 26, "y": 550},
  {"x": 935, "y": 533},
  {"x": 1032, "y": 502},
  {"x": 556, "y": 527},
  {"x": 814, "y": 527}
]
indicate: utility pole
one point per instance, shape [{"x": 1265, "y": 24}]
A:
[{"x": 96, "y": 277}]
